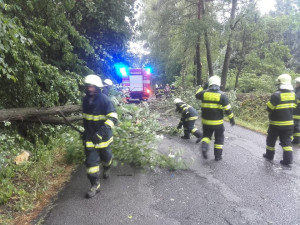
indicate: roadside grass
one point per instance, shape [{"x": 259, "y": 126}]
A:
[{"x": 25, "y": 189}]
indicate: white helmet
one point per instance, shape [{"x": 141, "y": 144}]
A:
[
  {"x": 93, "y": 79},
  {"x": 214, "y": 80},
  {"x": 297, "y": 80},
  {"x": 284, "y": 79},
  {"x": 108, "y": 82},
  {"x": 177, "y": 100}
]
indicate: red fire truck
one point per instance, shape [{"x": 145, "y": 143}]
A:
[{"x": 137, "y": 80}]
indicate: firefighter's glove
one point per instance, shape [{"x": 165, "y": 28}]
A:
[
  {"x": 232, "y": 122},
  {"x": 96, "y": 138},
  {"x": 179, "y": 126}
]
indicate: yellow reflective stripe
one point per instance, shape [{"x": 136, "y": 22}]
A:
[
  {"x": 206, "y": 140},
  {"x": 105, "y": 144},
  {"x": 218, "y": 146},
  {"x": 110, "y": 123},
  {"x": 270, "y": 148},
  {"x": 113, "y": 115},
  {"x": 199, "y": 90},
  {"x": 210, "y": 96},
  {"x": 211, "y": 106},
  {"x": 212, "y": 122},
  {"x": 99, "y": 136},
  {"x": 282, "y": 123},
  {"x": 285, "y": 106},
  {"x": 287, "y": 96},
  {"x": 296, "y": 134},
  {"x": 107, "y": 163},
  {"x": 227, "y": 107},
  {"x": 93, "y": 117},
  {"x": 94, "y": 169},
  {"x": 192, "y": 118},
  {"x": 230, "y": 116},
  {"x": 296, "y": 117},
  {"x": 298, "y": 101},
  {"x": 287, "y": 148},
  {"x": 194, "y": 130},
  {"x": 270, "y": 105},
  {"x": 183, "y": 105}
]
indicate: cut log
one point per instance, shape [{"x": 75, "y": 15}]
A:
[
  {"x": 26, "y": 113},
  {"x": 54, "y": 120}
]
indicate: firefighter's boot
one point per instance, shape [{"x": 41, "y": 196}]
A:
[
  {"x": 198, "y": 134},
  {"x": 287, "y": 158},
  {"x": 269, "y": 154},
  {"x": 218, "y": 154},
  {"x": 106, "y": 170},
  {"x": 186, "y": 135},
  {"x": 95, "y": 187},
  {"x": 204, "y": 148}
]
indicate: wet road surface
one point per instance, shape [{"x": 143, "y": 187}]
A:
[{"x": 243, "y": 188}]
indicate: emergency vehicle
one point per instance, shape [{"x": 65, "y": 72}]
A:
[{"x": 137, "y": 81}]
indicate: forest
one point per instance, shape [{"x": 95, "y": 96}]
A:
[{"x": 47, "y": 47}]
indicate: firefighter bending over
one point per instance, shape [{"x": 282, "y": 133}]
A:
[
  {"x": 189, "y": 115},
  {"x": 296, "y": 115},
  {"x": 99, "y": 117},
  {"x": 280, "y": 107},
  {"x": 213, "y": 103}
]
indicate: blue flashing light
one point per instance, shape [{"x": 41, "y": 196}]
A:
[
  {"x": 148, "y": 70},
  {"x": 121, "y": 69}
]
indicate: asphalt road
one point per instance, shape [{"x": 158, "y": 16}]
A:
[{"x": 243, "y": 188}]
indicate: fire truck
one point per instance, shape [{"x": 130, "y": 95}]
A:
[{"x": 137, "y": 81}]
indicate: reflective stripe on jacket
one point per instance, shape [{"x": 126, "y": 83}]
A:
[
  {"x": 281, "y": 107},
  {"x": 214, "y": 102}
]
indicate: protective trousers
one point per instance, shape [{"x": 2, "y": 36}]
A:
[
  {"x": 296, "y": 134},
  {"x": 93, "y": 159},
  {"x": 219, "y": 140},
  {"x": 189, "y": 127},
  {"x": 285, "y": 138}
]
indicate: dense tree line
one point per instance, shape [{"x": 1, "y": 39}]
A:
[
  {"x": 191, "y": 40},
  {"x": 48, "y": 46}
]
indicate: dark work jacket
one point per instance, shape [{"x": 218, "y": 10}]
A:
[
  {"x": 188, "y": 113},
  {"x": 297, "y": 110},
  {"x": 214, "y": 102},
  {"x": 281, "y": 108},
  {"x": 98, "y": 114}
]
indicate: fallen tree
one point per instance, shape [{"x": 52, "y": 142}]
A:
[{"x": 40, "y": 114}]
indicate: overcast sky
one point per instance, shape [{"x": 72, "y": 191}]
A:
[{"x": 266, "y": 5}]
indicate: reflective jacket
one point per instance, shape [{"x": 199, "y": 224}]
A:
[
  {"x": 214, "y": 102},
  {"x": 188, "y": 113},
  {"x": 281, "y": 107},
  {"x": 98, "y": 113},
  {"x": 297, "y": 110}
]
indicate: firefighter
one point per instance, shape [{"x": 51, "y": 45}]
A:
[
  {"x": 296, "y": 115},
  {"x": 189, "y": 115},
  {"x": 280, "y": 108},
  {"x": 99, "y": 117},
  {"x": 107, "y": 85},
  {"x": 214, "y": 102},
  {"x": 167, "y": 91}
]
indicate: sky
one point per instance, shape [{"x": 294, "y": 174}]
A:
[{"x": 266, "y": 5}]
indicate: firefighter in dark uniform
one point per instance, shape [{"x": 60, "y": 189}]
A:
[
  {"x": 99, "y": 117},
  {"x": 281, "y": 107},
  {"x": 107, "y": 85},
  {"x": 214, "y": 102},
  {"x": 189, "y": 115},
  {"x": 296, "y": 115}
]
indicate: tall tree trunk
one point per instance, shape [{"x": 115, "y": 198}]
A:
[
  {"x": 198, "y": 56},
  {"x": 241, "y": 61},
  {"x": 207, "y": 45},
  {"x": 229, "y": 48}
]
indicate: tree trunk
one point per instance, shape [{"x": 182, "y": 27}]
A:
[
  {"x": 207, "y": 45},
  {"x": 229, "y": 48},
  {"x": 198, "y": 56},
  {"x": 26, "y": 113}
]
